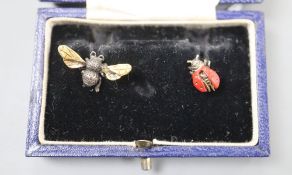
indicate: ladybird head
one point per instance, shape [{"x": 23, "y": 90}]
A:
[{"x": 196, "y": 63}]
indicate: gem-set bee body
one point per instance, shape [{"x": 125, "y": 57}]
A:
[
  {"x": 93, "y": 68},
  {"x": 204, "y": 78}
]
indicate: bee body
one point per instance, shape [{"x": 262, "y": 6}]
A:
[{"x": 90, "y": 78}]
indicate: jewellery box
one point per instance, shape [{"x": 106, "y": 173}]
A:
[{"x": 155, "y": 111}]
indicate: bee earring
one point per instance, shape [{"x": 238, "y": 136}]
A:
[
  {"x": 204, "y": 78},
  {"x": 94, "y": 68}
]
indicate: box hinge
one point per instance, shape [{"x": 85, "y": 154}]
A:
[{"x": 151, "y": 9}]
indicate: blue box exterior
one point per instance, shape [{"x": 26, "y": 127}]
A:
[{"x": 35, "y": 149}]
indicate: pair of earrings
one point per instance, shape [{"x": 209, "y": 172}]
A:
[{"x": 204, "y": 78}]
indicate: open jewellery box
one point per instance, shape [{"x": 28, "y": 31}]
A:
[{"x": 154, "y": 111}]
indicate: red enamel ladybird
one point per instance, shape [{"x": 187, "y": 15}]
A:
[{"x": 204, "y": 78}]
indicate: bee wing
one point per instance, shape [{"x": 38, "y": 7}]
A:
[
  {"x": 115, "y": 72},
  {"x": 70, "y": 57}
]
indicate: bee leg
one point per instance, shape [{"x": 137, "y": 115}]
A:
[{"x": 97, "y": 87}]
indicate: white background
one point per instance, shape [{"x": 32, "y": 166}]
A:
[{"x": 17, "y": 29}]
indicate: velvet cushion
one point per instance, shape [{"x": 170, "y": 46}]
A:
[{"x": 157, "y": 99}]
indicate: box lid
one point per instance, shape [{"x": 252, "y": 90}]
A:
[
  {"x": 138, "y": 10},
  {"x": 221, "y": 1}
]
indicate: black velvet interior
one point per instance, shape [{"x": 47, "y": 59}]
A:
[{"x": 157, "y": 100}]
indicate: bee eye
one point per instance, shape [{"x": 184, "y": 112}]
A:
[
  {"x": 101, "y": 57},
  {"x": 93, "y": 54}
]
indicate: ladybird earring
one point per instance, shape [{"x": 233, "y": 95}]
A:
[
  {"x": 93, "y": 68},
  {"x": 204, "y": 78}
]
